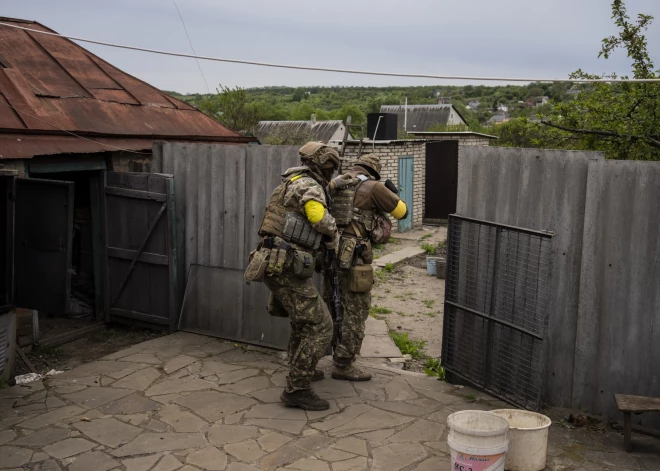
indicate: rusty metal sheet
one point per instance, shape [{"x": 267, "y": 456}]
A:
[
  {"x": 47, "y": 79},
  {"x": 118, "y": 96},
  {"x": 36, "y": 65},
  {"x": 75, "y": 61},
  {"x": 20, "y": 146},
  {"x": 9, "y": 119}
]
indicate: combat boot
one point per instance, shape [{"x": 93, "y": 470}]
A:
[
  {"x": 306, "y": 399},
  {"x": 351, "y": 373},
  {"x": 318, "y": 375}
]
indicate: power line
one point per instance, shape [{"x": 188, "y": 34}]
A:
[
  {"x": 327, "y": 69},
  {"x": 191, "y": 46},
  {"x": 72, "y": 133}
]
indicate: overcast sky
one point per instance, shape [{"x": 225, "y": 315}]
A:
[{"x": 519, "y": 38}]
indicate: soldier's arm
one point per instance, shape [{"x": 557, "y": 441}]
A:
[
  {"x": 311, "y": 198},
  {"x": 388, "y": 202}
]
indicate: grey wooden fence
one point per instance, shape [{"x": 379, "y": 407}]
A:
[
  {"x": 221, "y": 193},
  {"x": 604, "y": 312}
]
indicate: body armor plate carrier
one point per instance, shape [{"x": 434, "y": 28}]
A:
[{"x": 282, "y": 222}]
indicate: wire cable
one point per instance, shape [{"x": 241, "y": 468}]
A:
[
  {"x": 327, "y": 69},
  {"x": 72, "y": 133},
  {"x": 191, "y": 46}
]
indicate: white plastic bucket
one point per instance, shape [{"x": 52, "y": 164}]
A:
[
  {"x": 528, "y": 439},
  {"x": 431, "y": 267},
  {"x": 477, "y": 440}
]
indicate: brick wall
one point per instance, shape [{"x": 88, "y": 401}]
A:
[{"x": 389, "y": 154}]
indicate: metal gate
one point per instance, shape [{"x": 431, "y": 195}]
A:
[
  {"x": 141, "y": 266},
  {"x": 496, "y": 297}
]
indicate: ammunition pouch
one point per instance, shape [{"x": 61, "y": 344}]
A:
[
  {"x": 298, "y": 230},
  {"x": 257, "y": 265},
  {"x": 346, "y": 252},
  {"x": 302, "y": 264},
  {"x": 360, "y": 278}
]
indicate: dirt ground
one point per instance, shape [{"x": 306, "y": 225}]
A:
[
  {"x": 65, "y": 357},
  {"x": 413, "y": 298}
]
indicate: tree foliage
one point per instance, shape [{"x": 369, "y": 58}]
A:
[{"x": 620, "y": 119}]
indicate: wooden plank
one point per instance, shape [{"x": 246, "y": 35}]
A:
[
  {"x": 627, "y": 431},
  {"x": 145, "y": 195},
  {"x": 192, "y": 179},
  {"x": 152, "y": 225},
  {"x": 627, "y": 403},
  {"x": 172, "y": 278},
  {"x": 204, "y": 184},
  {"x": 25, "y": 359},
  {"x": 145, "y": 257},
  {"x": 177, "y": 167},
  {"x": 140, "y": 316},
  {"x": 72, "y": 335},
  {"x": 217, "y": 209}
]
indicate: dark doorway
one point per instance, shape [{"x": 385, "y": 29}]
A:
[
  {"x": 81, "y": 309},
  {"x": 441, "y": 180}
]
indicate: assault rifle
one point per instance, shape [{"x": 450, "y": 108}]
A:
[{"x": 332, "y": 272}]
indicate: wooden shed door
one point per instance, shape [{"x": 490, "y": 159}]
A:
[
  {"x": 140, "y": 255},
  {"x": 42, "y": 245}
]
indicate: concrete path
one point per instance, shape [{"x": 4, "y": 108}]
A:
[
  {"x": 398, "y": 256},
  {"x": 187, "y": 402}
]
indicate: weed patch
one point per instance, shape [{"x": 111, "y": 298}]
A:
[{"x": 414, "y": 348}]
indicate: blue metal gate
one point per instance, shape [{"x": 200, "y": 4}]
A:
[{"x": 406, "y": 170}]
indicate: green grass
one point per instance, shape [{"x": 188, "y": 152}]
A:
[
  {"x": 415, "y": 348},
  {"x": 393, "y": 241},
  {"x": 429, "y": 303},
  {"x": 470, "y": 397},
  {"x": 426, "y": 236},
  {"x": 380, "y": 310},
  {"x": 432, "y": 368},
  {"x": 378, "y": 246},
  {"x": 389, "y": 267},
  {"x": 430, "y": 314},
  {"x": 371, "y": 314},
  {"x": 430, "y": 249}
]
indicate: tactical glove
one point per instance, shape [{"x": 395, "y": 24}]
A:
[
  {"x": 333, "y": 244},
  {"x": 342, "y": 181}
]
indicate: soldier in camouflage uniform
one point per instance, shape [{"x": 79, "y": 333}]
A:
[
  {"x": 356, "y": 196},
  {"x": 296, "y": 220}
]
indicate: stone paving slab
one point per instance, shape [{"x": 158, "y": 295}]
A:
[{"x": 186, "y": 402}]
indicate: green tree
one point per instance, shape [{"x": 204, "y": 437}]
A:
[
  {"x": 230, "y": 107},
  {"x": 620, "y": 119}
]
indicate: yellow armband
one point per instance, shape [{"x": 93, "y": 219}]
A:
[
  {"x": 399, "y": 211},
  {"x": 314, "y": 211}
]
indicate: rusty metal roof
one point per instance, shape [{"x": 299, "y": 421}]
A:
[{"x": 49, "y": 85}]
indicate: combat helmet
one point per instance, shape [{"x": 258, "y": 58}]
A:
[
  {"x": 319, "y": 154},
  {"x": 371, "y": 163}
]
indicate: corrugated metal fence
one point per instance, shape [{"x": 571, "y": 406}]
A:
[{"x": 221, "y": 193}]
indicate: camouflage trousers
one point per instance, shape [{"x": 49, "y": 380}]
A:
[
  {"x": 311, "y": 325},
  {"x": 355, "y": 310}
]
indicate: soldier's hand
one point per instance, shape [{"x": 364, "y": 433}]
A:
[
  {"x": 333, "y": 244},
  {"x": 342, "y": 181}
]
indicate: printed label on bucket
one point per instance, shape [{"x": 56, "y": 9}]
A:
[{"x": 465, "y": 462}]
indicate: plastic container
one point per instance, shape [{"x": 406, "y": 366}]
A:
[
  {"x": 431, "y": 265},
  {"x": 441, "y": 268},
  {"x": 528, "y": 439},
  {"x": 477, "y": 441}
]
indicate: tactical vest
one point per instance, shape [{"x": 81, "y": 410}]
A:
[
  {"x": 344, "y": 211},
  {"x": 288, "y": 223}
]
